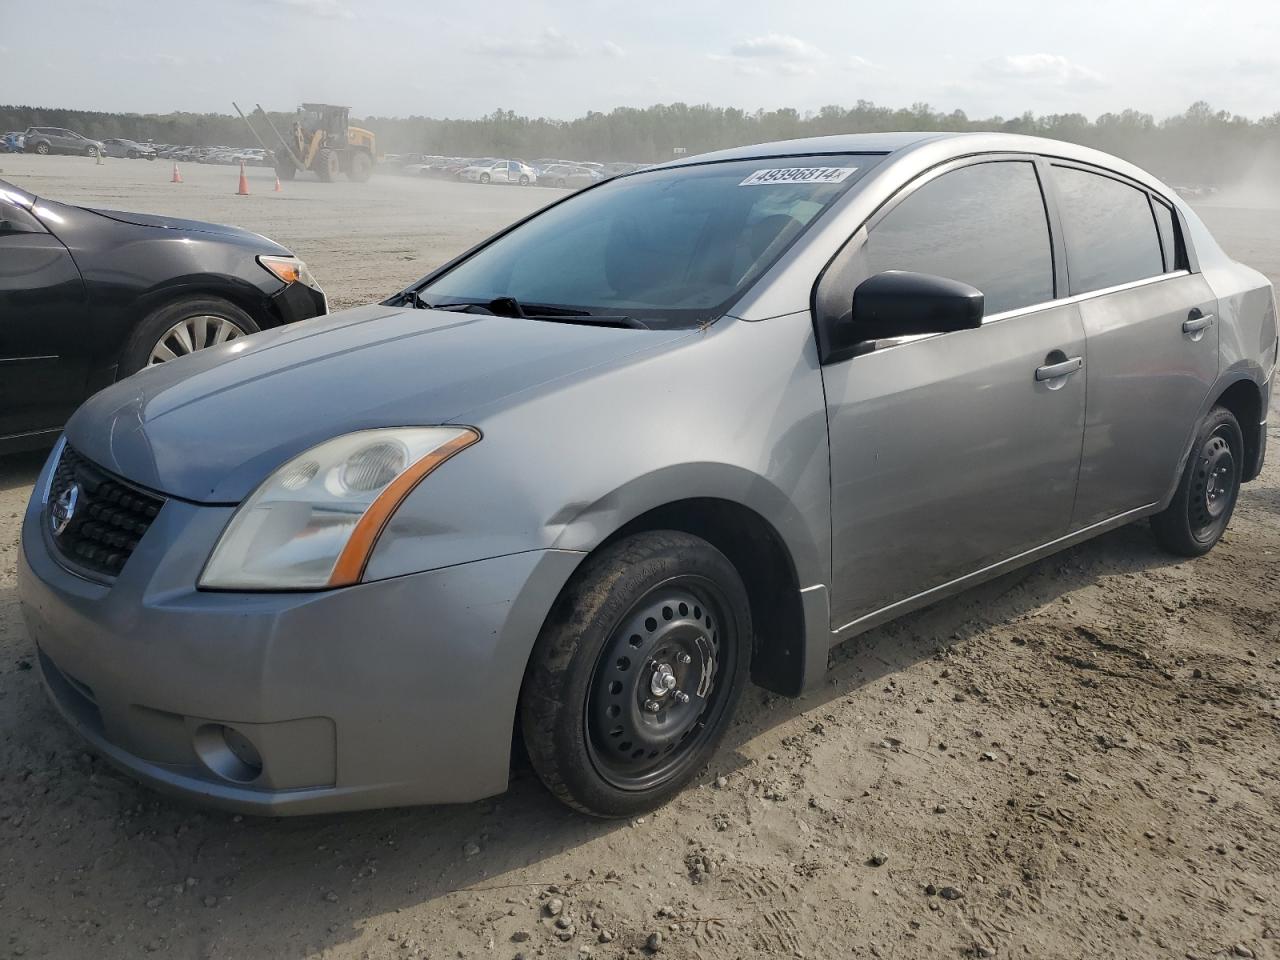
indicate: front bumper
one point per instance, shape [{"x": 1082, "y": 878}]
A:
[
  {"x": 396, "y": 692},
  {"x": 297, "y": 301}
]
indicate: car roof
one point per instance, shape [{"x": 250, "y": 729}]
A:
[{"x": 931, "y": 145}]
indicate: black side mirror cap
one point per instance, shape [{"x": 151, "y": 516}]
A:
[{"x": 897, "y": 303}]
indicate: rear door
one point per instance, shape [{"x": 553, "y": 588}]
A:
[
  {"x": 1152, "y": 334},
  {"x": 44, "y": 350},
  {"x": 950, "y": 453}
]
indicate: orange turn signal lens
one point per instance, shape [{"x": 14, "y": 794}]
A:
[
  {"x": 288, "y": 269},
  {"x": 355, "y": 555}
]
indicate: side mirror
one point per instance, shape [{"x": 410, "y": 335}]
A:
[{"x": 901, "y": 304}]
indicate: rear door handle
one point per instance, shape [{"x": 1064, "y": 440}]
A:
[
  {"x": 1197, "y": 324},
  {"x": 1055, "y": 371}
]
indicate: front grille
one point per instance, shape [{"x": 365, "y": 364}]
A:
[{"x": 107, "y": 516}]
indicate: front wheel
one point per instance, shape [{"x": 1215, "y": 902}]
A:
[
  {"x": 484, "y": 178},
  {"x": 91, "y": 151},
  {"x": 1197, "y": 517},
  {"x": 635, "y": 676},
  {"x": 184, "y": 326},
  {"x": 42, "y": 149}
]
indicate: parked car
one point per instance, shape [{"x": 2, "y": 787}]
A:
[
  {"x": 782, "y": 394},
  {"x": 563, "y": 175},
  {"x": 128, "y": 148},
  {"x": 44, "y": 140},
  {"x": 499, "y": 171},
  {"x": 90, "y": 296},
  {"x": 12, "y": 141}
]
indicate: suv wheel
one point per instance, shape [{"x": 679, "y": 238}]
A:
[
  {"x": 42, "y": 149},
  {"x": 635, "y": 676},
  {"x": 182, "y": 327},
  {"x": 1206, "y": 497}
]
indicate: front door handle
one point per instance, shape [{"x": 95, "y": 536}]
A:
[
  {"x": 1055, "y": 371},
  {"x": 1197, "y": 325}
]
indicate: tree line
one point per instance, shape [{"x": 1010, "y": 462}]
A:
[{"x": 1201, "y": 145}]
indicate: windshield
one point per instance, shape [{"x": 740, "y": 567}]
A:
[{"x": 670, "y": 247}]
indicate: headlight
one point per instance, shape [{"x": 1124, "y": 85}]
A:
[
  {"x": 313, "y": 523},
  {"x": 290, "y": 270}
]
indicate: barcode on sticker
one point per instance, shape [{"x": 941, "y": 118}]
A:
[{"x": 798, "y": 175}]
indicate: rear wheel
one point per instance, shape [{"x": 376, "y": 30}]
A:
[
  {"x": 1206, "y": 497},
  {"x": 182, "y": 327},
  {"x": 634, "y": 678},
  {"x": 328, "y": 165},
  {"x": 524, "y": 180},
  {"x": 361, "y": 166},
  {"x": 90, "y": 151},
  {"x": 484, "y": 178}
]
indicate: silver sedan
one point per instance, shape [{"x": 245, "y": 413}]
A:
[{"x": 684, "y": 429}]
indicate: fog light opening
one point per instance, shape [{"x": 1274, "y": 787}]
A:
[{"x": 228, "y": 753}]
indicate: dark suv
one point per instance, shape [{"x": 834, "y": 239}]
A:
[{"x": 45, "y": 140}]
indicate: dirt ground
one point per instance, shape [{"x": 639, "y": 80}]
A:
[{"x": 1077, "y": 760}]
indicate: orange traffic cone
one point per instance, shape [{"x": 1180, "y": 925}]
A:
[
  {"x": 278, "y": 187},
  {"x": 244, "y": 183},
  {"x": 177, "y": 177}
]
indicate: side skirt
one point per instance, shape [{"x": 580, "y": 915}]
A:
[{"x": 895, "y": 610}]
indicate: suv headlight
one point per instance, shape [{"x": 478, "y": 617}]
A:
[{"x": 313, "y": 523}]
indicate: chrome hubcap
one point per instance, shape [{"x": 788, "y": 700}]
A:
[{"x": 192, "y": 334}]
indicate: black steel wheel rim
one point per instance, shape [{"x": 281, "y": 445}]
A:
[
  {"x": 660, "y": 684},
  {"x": 1214, "y": 485}
]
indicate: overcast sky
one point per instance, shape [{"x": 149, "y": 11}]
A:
[{"x": 561, "y": 58}]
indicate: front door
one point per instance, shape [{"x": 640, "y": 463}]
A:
[
  {"x": 44, "y": 349},
  {"x": 951, "y": 453}
]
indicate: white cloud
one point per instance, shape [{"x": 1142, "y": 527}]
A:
[
  {"x": 775, "y": 53},
  {"x": 326, "y": 9},
  {"x": 611, "y": 49},
  {"x": 1042, "y": 70},
  {"x": 776, "y": 46},
  {"x": 551, "y": 44}
]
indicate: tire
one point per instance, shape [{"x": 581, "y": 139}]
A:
[
  {"x": 484, "y": 178},
  {"x": 524, "y": 180},
  {"x": 286, "y": 170},
  {"x": 42, "y": 149},
  {"x": 361, "y": 166},
  {"x": 132, "y": 154},
  {"x": 599, "y": 734},
  {"x": 327, "y": 165},
  {"x": 1197, "y": 517},
  {"x": 157, "y": 327},
  {"x": 91, "y": 151}
]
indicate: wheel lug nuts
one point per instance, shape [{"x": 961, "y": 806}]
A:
[
  {"x": 684, "y": 658},
  {"x": 681, "y": 696},
  {"x": 652, "y": 706}
]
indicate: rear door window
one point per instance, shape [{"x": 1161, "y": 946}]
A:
[
  {"x": 1109, "y": 229},
  {"x": 984, "y": 225}
]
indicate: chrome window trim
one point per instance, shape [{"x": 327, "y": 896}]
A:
[{"x": 1037, "y": 307}]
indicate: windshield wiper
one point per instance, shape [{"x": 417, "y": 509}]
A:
[{"x": 510, "y": 307}]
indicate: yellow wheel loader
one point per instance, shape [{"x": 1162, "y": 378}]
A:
[{"x": 321, "y": 139}]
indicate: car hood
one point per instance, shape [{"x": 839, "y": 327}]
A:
[
  {"x": 209, "y": 427},
  {"x": 196, "y": 226}
]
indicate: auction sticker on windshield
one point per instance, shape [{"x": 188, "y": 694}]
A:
[{"x": 798, "y": 175}]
